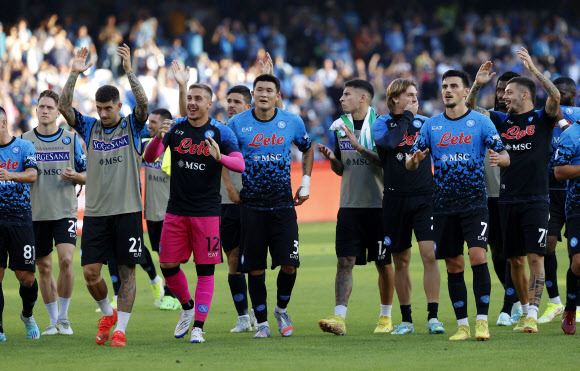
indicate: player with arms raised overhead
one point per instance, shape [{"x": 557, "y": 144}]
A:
[
  {"x": 199, "y": 146},
  {"x": 112, "y": 222},
  {"x": 524, "y": 195},
  {"x": 457, "y": 140},
  {"x": 358, "y": 227},
  {"x": 17, "y": 171},
  {"x": 61, "y": 164},
  {"x": 407, "y": 204},
  {"x": 265, "y": 134}
]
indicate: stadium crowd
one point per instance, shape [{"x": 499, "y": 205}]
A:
[{"x": 315, "y": 51}]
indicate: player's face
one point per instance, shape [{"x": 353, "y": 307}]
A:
[
  {"x": 237, "y": 104},
  {"x": 351, "y": 99},
  {"x": 154, "y": 124},
  {"x": 109, "y": 112},
  {"x": 47, "y": 111},
  {"x": 265, "y": 95},
  {"x": 499, "y": 92},
  {"x": 198, "y": 103},
  {"x": 406, "y": 97},
  {"x": 453, "y": 91},
  {"x": 567, "y": 95},
  {"x": 514, "y": 98}
]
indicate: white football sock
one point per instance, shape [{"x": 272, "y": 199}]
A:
[
  {"x": 340, "y": 310},
  {"x": 52, "y": 309}
]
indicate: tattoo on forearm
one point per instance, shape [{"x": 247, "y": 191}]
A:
[
  {"x": 66, "y": 97},
  {"x": 372, "y": 156},
  {"x": 305, "y": 158},
  {"x": 337, "y": 167},
  {"x": 140, "y": 96},
  {"x": 127, "y": 290},
  {"x": 550, "y": 88},
  {"x": 472, "y": 97},
  {"x": 536, "y": 288},
  {"x": 343, "y": 281}
]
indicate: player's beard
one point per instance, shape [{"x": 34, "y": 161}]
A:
[{"x": 450, "y": 105}]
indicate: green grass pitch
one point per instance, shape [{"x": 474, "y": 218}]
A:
[{"x": 151, "y": 344}]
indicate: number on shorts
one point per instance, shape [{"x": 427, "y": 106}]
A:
[
  {"x": 29, "y": 252},
  {"x": 484, "y": 224},
  {"x": 296, "y": 246},
  {"x": 381, "y": 250},
  {"x": 543, "y": 233},
  {"x": 431, "y": 223},
  {"x": 134, "y": 240},
  {"x": 73, "y": 227},
  {"x": 215, "y": 246}
]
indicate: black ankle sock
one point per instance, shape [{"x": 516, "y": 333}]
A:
[
  {"x": 114, "y": 272},
  {"x": 258, "y": 294},
  {"x": 168, "y": 292},
  {"x": 285, "y": 285},
  {"x": 198, "y": 324},
  {"x": 406, "y": 313},
  {"x": 457, "y": 294},
  {"x": 510, "y": 295},
  {"x": 572, "y": 286},
  {"x": 432, "y": 309},
  {"x": 481, "y": 287},
  {"x": 1, "y": 307},
  {"x": 239, "y": 292},
  {"x": 148, "y": 266},
  {"x": 551, "y": 267},
  {"x": 29, "y": 296},
  {"x": 188, "y": 306}
]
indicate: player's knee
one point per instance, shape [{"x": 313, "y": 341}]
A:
[
  {"x": 92, "y": 275},
  {"x": 455, "y": 265},
  {"x": 517, "y": 262},
  {"x": 205, "y": 269},
  {"x": 65, "y": 262},
  {"x": 535, "y": 259},
  {"x": 26, "y": 279},
  {"x": 288, "y": 269},
  {"x": 401, "y": 261},
  {"x": 169, "y": 271},
  {"x": 346, "y": 262},
  {"x": 44, "y": 266}
]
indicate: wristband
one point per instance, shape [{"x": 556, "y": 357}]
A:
[
  {"x": 562, "y": 123},
  {"x": 305, "y": 186}
]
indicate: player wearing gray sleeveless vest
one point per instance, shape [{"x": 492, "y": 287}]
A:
[
  {"x": 61, "y": 165},
  {"x": 112, "y": 224},
  {"x": 358, "y": 226}
]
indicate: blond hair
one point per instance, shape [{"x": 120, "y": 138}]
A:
[{"x": 396, "y": 88}]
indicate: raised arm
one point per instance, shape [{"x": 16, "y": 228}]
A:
[
  {"x": 181, "y": 76},
  {"x": 553, "y": 102},
  {"x": 483, "y": 77},
  {"x": 140, "y": 97},
  {"x": 78, "y": 66}
]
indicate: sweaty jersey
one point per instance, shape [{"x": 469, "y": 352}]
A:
[
  {"x": 361, "y": 184},
  {"x": 457, "y": 148},
  {"x": 572, "y": 115},
  {"x": 16, "y": 156},
  {"x": 568, "y": 153},
  {"x": 395, "y": 136},
  {"x": 113, "y": 165},
  {"x": 528, "y": 140},
  {"x": 156, "y": 188},
  {"x": 52, "y": 198},
  {"x": 266, "y": 146},
  {"x": 195, "y": 174}
]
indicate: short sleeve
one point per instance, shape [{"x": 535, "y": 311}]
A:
[
  {"x": 497, "y": 118},
  {"x": 28, "y": 156},
  {"x": 229, "y": 142},
  {"x": 301, "y": 137},
  {"x": 565, "y": 151},
  {"x": 491, "y": 136},
  {"x": 84, "y": 125},
  {"x": 80, "y": 156}
]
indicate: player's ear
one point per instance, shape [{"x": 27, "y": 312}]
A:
[{"x": 120, "y": 104}]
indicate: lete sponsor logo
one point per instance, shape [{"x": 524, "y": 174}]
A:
[
  {"x": 187, "y": 146},
  {"x": 448, "y": 139},
  {"x": 259, "y": 140},
  {"x": 516, "y": 133}
]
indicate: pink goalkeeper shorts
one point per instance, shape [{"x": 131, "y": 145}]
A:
[{"x": 183, "y": 235}]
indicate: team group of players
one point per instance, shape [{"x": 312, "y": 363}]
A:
[{"x": 401, "y": 172}]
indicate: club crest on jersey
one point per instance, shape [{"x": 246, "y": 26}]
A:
[
  {"x": 387, "y": 241},
  {"x": 417, "y": 124},
  {"x": 281, "y": 124},
  {"x": 16, "y": 150},
  {"x": 569, "y": 111},
  {"x": 470, "y": 123},
  {"x": 530, "y": 119},
  {"x": 66, "y": 140},
  {"x": 573, "y": 242},
  {"x": 123, "y": 125},
  {"x": 209, "y": 134}
]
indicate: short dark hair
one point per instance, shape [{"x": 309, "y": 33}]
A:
[
  {"x": 527, "y": 84},
  {"x": 164, "y": 113},
  {"x": 244, "y": 91},
  {"x": 361, "y": 84},
  {"x": 202, "y": 86},
  {"x": 107, "y": 93},
  {"x": 268, "y": 78},
  {"x": 507, "y": 76},
  {"x": 567, "y": 82},
  {"x": 464, "y": 76},
  {"x": 49, "y": 94}
]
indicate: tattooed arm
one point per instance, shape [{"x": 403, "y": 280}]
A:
[
  {"x": 140, "y": 97},
  {"x": 483, "y": 77},
  {"x": 78, "y": 66},
  {"x": 553, "y": 102},
  {"x": 370, "y": 155}
]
